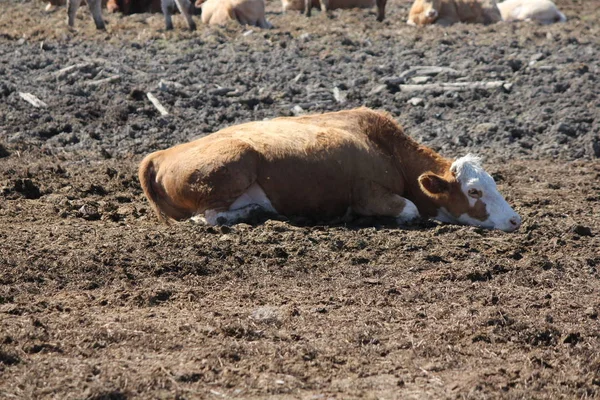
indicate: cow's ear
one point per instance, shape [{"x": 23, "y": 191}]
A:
[{"x": 433, "y": 185}]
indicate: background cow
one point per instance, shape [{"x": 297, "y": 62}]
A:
[
  {"x": 325, "y": 5},
  {"x": 320, "y": 165},
  {"x": 167, "y": 6},
  {"x": 448, "y": 12},
  {"x": 542, "y": 11},
  {"x": 246, "y": 12}
]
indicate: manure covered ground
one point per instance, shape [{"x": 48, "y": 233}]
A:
[{"x": 100, "y": 301}]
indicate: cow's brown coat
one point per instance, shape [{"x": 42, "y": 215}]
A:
[{"x": 310, "y": 165}]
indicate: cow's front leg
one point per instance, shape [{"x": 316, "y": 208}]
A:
[
  {"x": 372, "y": 199},
  {"x": 307, "y": 7},
  {"x": 72, "y": 6},
  {"x": 185, "y": 7},
  {"x": 381, "y": 10},
  {"x": 167, "y": 10},
  {"x": 96, "y": 10}
]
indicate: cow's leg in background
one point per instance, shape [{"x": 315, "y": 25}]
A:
[
  {"x": 308, "y": 7},
  {"x": 96, "y": 10},
  {"x": 381, "y": 10},
  {"x": 371, "y": 199},
  {"x": 185, "y": 7},
  {"x": 167, "y": 10},
  {"x": 72, "y": 6},
  {"x": 324, "y": 6}
]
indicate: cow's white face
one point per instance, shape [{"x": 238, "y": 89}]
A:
[{"x": 470, "y": 197}]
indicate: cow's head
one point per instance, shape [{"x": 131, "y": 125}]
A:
[
  {"x": 468, "y": 195},
  {"x": 424, "y": 12}
]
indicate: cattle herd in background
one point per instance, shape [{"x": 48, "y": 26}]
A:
[{"x": 252, "y": 12}]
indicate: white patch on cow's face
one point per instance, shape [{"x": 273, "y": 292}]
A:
[{"x": 478, "y": 186}]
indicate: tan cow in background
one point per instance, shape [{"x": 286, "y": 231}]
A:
[
  {"x": 448, "y": 12},
  {"x": 305, "y": 6},
  {"x": 246, "y": 12},
  {"x": 320, "y": 166},
  {"x": 542, "y": 11}
]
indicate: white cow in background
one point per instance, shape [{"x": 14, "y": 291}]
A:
[{"x": 542, "y": 11}]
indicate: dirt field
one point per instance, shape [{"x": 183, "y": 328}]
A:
[{"x": 99, "y": 301}]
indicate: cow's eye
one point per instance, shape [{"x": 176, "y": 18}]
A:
[{"x": 475, "y": 193}]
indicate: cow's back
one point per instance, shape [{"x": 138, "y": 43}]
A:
[
  {"x": 309, "y": 166},
  {"x": 305, "y": 165}
]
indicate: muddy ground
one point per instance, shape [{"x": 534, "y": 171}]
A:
[{"x": 100, "y": 301}]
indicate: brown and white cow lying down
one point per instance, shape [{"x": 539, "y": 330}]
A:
[
  {"x": 167, "y": 6},
  {"x": 448, "y": 12},
  {"x": 326, "y": 5},
  {"x": 542, "y": 11},
  {"x": 246, "y": 12},
  {"x": 320, "y": 165}
]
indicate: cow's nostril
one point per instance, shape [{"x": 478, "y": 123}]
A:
[
  {"x": 432, "y": 13},
  {"x": 515, "y": 221}
]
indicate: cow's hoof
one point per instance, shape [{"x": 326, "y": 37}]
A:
[
  {"x": 100, "y": 26},
  {"x": 192, "y": 27}
]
